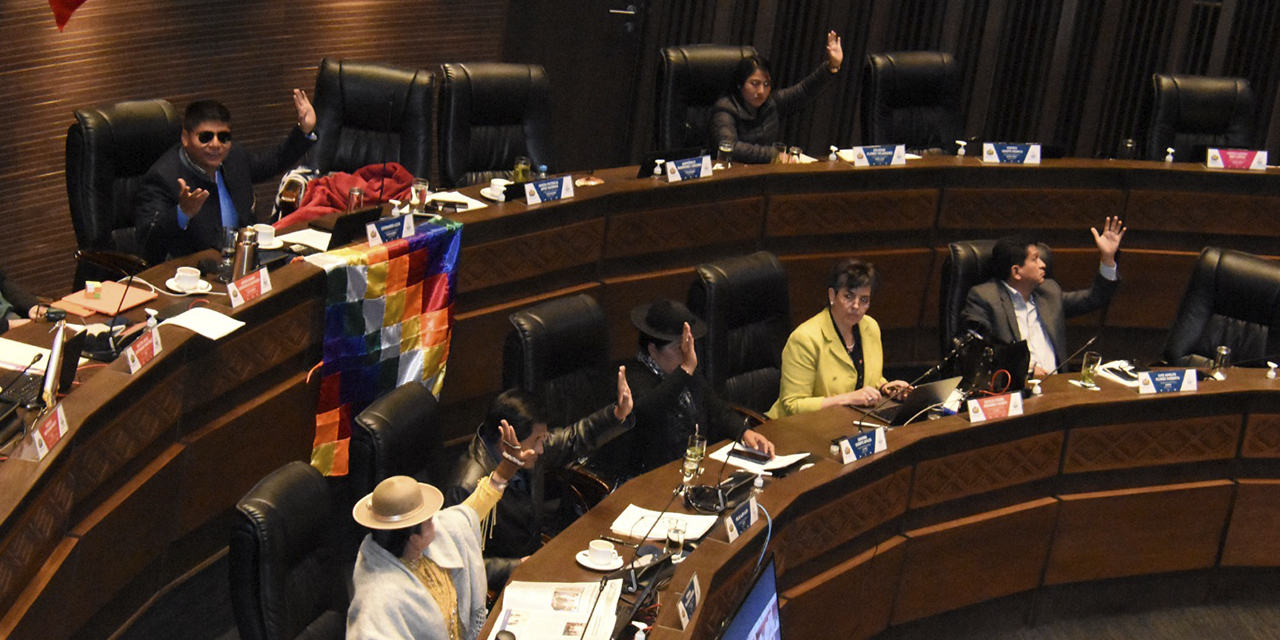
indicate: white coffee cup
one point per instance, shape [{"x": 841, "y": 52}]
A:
[
  {"x": 266, "y": 234},
  {"x": 187, "y": 278},
  {"x": 601, "y": 553},
  {"x": 497, "y": 187}
]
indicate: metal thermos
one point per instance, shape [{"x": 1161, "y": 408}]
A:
[{"x": 246, "y": 260}]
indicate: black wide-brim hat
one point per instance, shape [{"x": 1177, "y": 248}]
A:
[{"x": 665, "y": 320}]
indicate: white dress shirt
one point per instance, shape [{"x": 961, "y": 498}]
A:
[{"x": 1031, "y": 326}]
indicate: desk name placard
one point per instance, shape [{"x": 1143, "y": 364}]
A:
[
  {"x": 689, "y": 601},
  {"x": 1236, "y": 159},
  {"x": 549, "y": 190},
  {"x": 862, "y": 445},
  {"x": 143, "y": 350},
  {"x": 380, "y": 231},
  {"x": 1167, "y": 381},
  {"x": 880, "y": 155},
  {"x": 689, "y": 169},
  {"x": 251, "y": 287},
  {"x": 1011, "y": 152},
  {"x": 995, "y": 407},
  {"x": 745, "y": 515},
  {"x": 50, "y": 428}
]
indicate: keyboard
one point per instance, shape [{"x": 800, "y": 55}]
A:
[{"x": 23, "y": 390}]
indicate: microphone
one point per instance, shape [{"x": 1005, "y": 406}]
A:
[
  {"x": 382, "y": 186},
  {"x": 18, "y": 376},
  {"x": 1070, "y": 357}
]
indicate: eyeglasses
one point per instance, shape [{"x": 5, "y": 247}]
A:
[{"x": 205, "y": 137}]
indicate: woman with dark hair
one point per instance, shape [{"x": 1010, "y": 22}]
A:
[
  {"x": 835, "y": 357},
  {"x": 750, "y": 116}
]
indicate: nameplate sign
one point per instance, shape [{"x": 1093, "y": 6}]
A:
[
  {"x": 143, "y": 350},
  {"x": 995, "y": 407},
  {"x": 548, "y": 190},
  {"x": 1236, "y": 159},
  {"x": 380, "y": 231},
  {"x": 862, "y": 445},
  {"x": 251, "y": 287},
  {"x": 1011, "y": 153},
  {"x": 689, "y": 601},
  {"x": 741, "y": 519},
  {"x": 689, "y": 169},
  {"x": 880, "y": 155},
  {"x": 1166, "y": 381},
  {"x": 49, "y": 430}
]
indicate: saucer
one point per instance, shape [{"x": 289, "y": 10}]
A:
[
  {"x": 584, "y": 559},
  {"x": 489, "y": 194},
  {"x": 201, "y": 287},
  {"x": 271, "y": 246}
]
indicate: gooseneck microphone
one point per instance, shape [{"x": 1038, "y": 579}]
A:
[
  {"x": 1072, "y": 356},
  {"x": 18, "y": 376}
]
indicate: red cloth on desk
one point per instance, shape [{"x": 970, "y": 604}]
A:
[{"x": 327, "y": 194}]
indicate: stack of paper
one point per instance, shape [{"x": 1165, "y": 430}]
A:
[{"x": 558, "y": 610}]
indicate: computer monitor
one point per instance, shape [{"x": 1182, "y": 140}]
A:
[{"x": 757, "y": 615}]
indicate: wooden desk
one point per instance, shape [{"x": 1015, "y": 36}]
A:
[
  {"x": 633, "y": 240},
  {"x": 1085, "y": 486},
  {"x": 139, "y": 490}
]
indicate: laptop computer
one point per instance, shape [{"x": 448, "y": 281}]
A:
[
  {"x": 916, "y": 404},
  {"x": 347, "y": 228},
  {"x": 27, "y": 387}
]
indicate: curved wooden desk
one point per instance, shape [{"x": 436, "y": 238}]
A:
[
  {"x": 1086, "y": 486},
  {"x": 142, "y": 490}
]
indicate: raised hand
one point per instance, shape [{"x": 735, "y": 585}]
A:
[
  {"x": 835, "y": 53},
  {"x": 689, "y": 357},
  {"x": 514, "y": 455},
  {"x": 190, "y": 200},
  {"x": 625, "y": 403},
  {"x": 1109, "y": 240},
  {"x": 306, "y": 112}
]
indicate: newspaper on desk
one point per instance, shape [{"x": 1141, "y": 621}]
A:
[{"x": 558, "y": 610}]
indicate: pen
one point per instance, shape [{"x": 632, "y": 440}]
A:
[{"x": 617, "y": 541}]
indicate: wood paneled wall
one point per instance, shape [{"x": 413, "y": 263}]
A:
[{"x": 247, "y": 54}]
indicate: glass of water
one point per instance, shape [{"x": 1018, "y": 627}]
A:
[
  {"x": 724, "y": 155},
  {"x": 676, "y": 529},
  {"x": 693, "y": 454},
  {"x": 1092, "y": 360}
]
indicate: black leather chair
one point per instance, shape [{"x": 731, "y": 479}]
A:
[
  {"x": 967, "y": 264},
  {"x": 398, "y": 435},
  {"x": 490, "y": 114},
  {"x": 747, "y": 306},
  {"x": 1233, "y": 300},
  {"x": 690, "y": 80},
  {"x": 372, "y": 113},
  {"x": 559, "y": 350},
  {"x": 912, "y": 98},
  {"x": 108, "y": 150},
  {"x": 288, "y": 578},
  {"x": 1190, "y": 113}
]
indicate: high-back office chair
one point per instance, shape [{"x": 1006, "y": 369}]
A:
[
  {"x": 1233, "y": 300},
  {"x": 968, "y": 264},
  {"x": 690, "y": 80},
  {"x": 746, "y": 304},
  {"x": 288, "y": 579},
  {"x": 1190, "y": 113},
  {"x": 490, "y": 114},
  {"x": 108, "y": 150},
  {"x": 371, "y": 113},
  {"x": 911, "y": 98},
  {"x": 398, "y": 435}
]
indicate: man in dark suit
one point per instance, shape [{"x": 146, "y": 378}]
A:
[
  {"x": 205, "y": 184},
  {"x": 1020, "y": 304}
]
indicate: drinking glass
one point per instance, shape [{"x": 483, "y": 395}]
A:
[
  {"x": 419, "y": 192},
  {"x": 522, "y": 172},
  {"x": 724, "y": 155},
  {"x": 794, "y": 152},
  {"x": 693, "y": 454},
  {"x": 355, "y": 199},
  {"x": 1221, "y": 358},
  {"x": 1092, "y": 360},
  {"x": 676, "y": 528},
  {"x": 227, "y": 245}
]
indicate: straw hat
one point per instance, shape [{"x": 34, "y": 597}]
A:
[{"x": 399, "y": 502}]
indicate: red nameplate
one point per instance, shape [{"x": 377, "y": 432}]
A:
[
  {"x": 250, "y": 287},
  {"x": 1236, "y": 159},
  {"x": 995, "y": 407},
  {"x": 143, "y": 350},
  {"x": 49, "y": 430}
]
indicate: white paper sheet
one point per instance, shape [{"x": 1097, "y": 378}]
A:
[
  {"x": 777, "y": 462},
  {"x": 206, "y": 322},
  {"x": 314, "y": 238},
  {"x": 635, "y": 521}
]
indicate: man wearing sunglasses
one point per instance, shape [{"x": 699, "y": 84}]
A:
[{"x": 205, "y": 183}]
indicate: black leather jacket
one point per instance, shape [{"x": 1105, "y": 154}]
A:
[{"x": 518, "y": 524}]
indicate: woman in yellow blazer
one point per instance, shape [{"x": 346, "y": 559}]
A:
[{"x": 827, "y": 362}]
